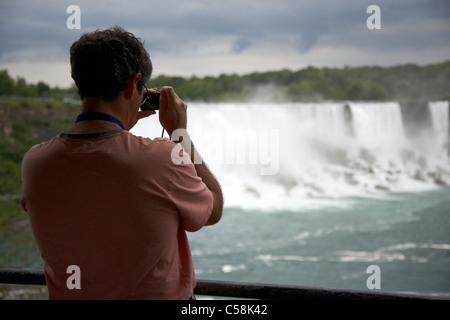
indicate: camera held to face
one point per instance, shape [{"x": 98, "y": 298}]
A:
[{"x": 150, "y": 101}]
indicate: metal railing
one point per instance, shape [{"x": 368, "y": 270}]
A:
[{"x": 247, "y": 290}]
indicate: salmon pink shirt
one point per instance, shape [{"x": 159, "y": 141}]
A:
[{"x": 115, "y": 205}]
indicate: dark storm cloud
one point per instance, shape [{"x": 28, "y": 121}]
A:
[
  {"x": 241, "y": 44},
  {"x": 36, "y": 30}
]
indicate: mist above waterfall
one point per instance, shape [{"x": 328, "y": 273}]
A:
[{"x": 284, "y": 155}]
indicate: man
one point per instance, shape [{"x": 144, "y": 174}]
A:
[{"x": 110, "y": 210}]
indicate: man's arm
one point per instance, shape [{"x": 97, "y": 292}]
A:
[
  {"x": 172, "y": 115},
  {"x": 210, "y": 181}
]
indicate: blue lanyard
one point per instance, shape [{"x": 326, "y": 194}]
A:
[{"x": 99, "y": 116}]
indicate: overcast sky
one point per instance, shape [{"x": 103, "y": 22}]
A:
[{"x": 210, "y": 37}]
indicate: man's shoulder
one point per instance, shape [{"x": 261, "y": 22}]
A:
[
  {"x": 39, "y": 146},
  {"x": 148, "y": 142},
  {"x": 142, "y": 147}
]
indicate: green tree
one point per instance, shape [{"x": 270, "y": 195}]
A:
[
  {"x": 6, "y": 83},
  {"x": 23, "y": 89},
  {"x": 42, "y": 89}
]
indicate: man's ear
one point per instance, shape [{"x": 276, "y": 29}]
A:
[{"x": 133, "y": 84}]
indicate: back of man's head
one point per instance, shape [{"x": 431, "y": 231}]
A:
[{"x": 103, "y": 62}]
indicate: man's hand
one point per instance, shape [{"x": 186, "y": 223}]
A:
[
  {"x": 172, "y": 110},
  {"x": 146, "y": 113}
]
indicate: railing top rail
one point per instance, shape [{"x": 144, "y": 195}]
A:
[{"x": 248, "y": 290}]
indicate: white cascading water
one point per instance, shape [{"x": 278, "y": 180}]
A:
[
  {"x": 286, "y": 156},
  {"x": 439, "y": 113},
  {"x": 378, "y": 124}
]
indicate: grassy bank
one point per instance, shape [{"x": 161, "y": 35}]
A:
[
  {"x": 23, "y": 123},
  {"x": 11, "y": 213}
]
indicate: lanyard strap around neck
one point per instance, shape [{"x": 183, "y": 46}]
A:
[{"x": 99, "y": 116}]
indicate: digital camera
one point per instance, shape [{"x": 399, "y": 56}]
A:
[{"x": 150, "y": 101}]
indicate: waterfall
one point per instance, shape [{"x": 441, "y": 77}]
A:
[
  {"x": 377, "y": 124},
  {"x": 439, "y": 114},
  {"x": 283, "y": 155},
  {"x": 323, "y": 118}
]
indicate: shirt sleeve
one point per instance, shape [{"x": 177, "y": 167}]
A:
[{"x": 191, "y": 196}]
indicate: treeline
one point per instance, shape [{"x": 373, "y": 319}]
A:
[
  {"x": 20, "y": 87},
  {"x": 402, "y": 82}
]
